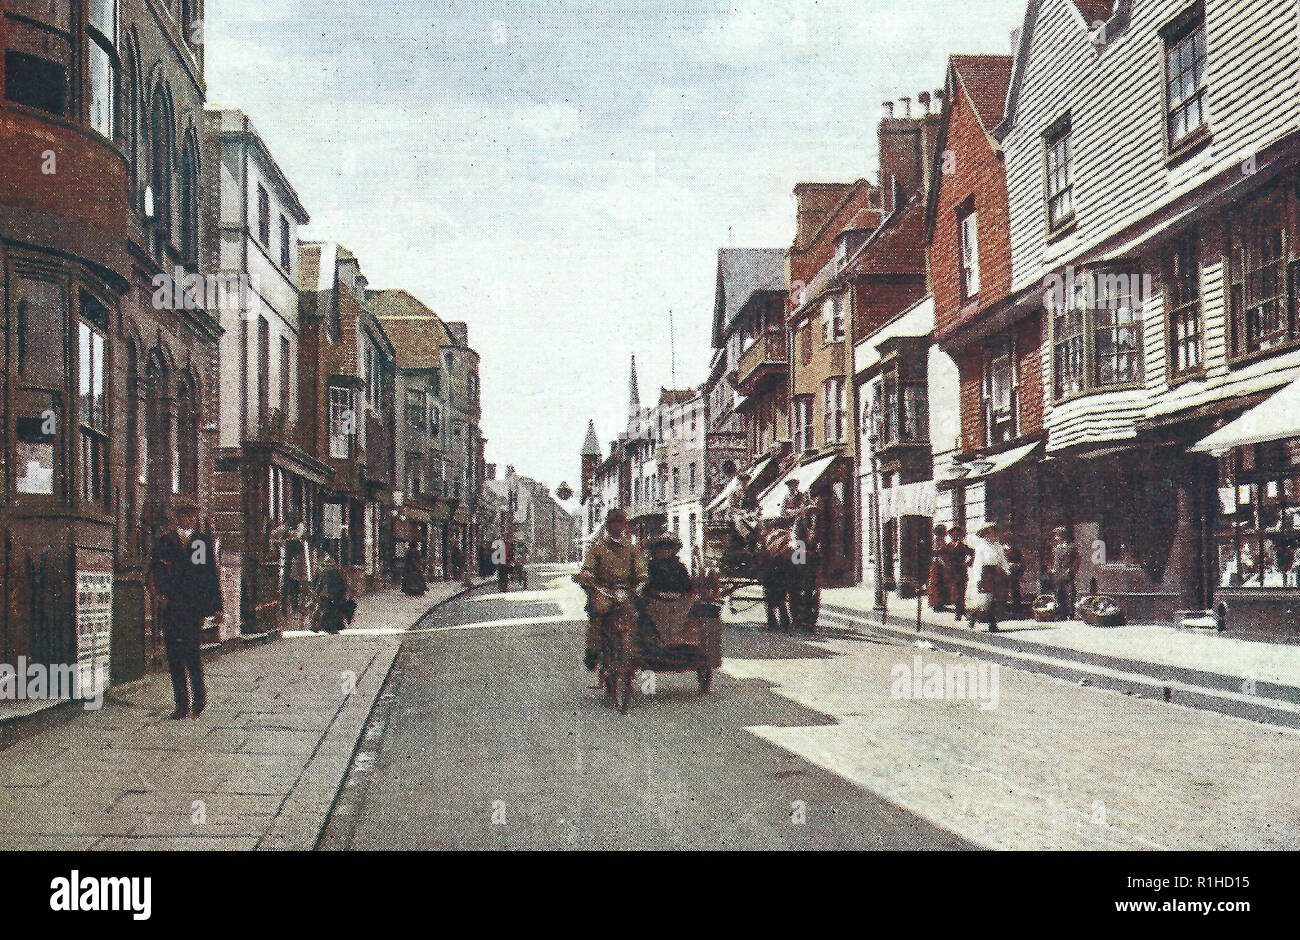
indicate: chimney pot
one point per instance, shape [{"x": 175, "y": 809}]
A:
[
  {"x": 924, "y": 99},
  {"x": 907, "y": 106},
  {"x": 889, "y": 109}
]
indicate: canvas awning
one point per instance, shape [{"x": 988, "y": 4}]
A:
[
  {"x": 754, "y": 473},
  {"x": 982, "y": 468},
  {"x": 807, "y": 474},
  {"x": 1275, "y": 418},
  {"x": 909, "y": 499}
]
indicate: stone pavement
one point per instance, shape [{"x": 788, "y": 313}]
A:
[
  {"x": 1198, "y": 658},
  {"x": 259, "y": 769}
]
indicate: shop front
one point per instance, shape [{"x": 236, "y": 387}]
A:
[{"x": 1254, "y": 528}]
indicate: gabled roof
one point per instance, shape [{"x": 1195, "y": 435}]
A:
[
  {"x": 416, "y": 332},
  {"x": 984, "y": 81},
  {"x": 741, "y": 273},
  {"x": 1114, "y": 13}
]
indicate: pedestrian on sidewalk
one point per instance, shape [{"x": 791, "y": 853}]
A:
[
  {"x": 186, "y": 589},
  {"x": 1065, "y": 565},
  {"x": 992, "y": 570},
  {"x": 334, "y": 609},
  {"x": 958, "y": 557},
  {"x": 936, "y": 582},
  {"x": 413, "y": 584}
]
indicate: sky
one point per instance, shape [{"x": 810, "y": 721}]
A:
[{"x": 560, "y": 175}]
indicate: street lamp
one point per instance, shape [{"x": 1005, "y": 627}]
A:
[{"x": 873, "y": 441}]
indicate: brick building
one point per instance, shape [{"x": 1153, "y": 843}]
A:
[
  {"x": 346, "y": 411},
  {"x": 110, "y": 374},
  {"x": 994, "y": 337},
  {"x": 263, "y": 478}
]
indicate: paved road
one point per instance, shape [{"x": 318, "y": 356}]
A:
[{"x": 490, "y": 737}]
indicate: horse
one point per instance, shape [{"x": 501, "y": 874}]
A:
[{"x": 789, "y": 559}]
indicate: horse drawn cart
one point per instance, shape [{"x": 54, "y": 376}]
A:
[{"x": 776, "y": 565}]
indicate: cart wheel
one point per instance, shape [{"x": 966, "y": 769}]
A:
[{"x": 705, "y": 677}]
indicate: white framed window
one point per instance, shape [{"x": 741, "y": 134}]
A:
[
  {"x": 343, "y": 422},
  {"x": 968, "y": 235},
  {"x": 801, "y": 416},
  {"x": 1060, "y": 186},
  {"x": 834, "y": 406}
]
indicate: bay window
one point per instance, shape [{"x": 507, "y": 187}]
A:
[
  {"x": 40, "y": 310},
  {"x": 1259, "y": 239},
  {"x": 899, "y": 409},
  {"x": 1116, "y": 330},
  {"x": 1096, "y": 325}
]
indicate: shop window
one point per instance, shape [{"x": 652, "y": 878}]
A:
[
  {"x": 38, "y": 60},
  {"x": 1257, "y": 244},
  {"x": 1258, "y": 532},
  {"x": 1183, "y": 306}
]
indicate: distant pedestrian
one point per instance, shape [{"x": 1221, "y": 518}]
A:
[
  {"x": 958, "y": 557},
  {"x": 936, "y": 582},
  {"x": 186, "y": 589},
  {"x": 1065, "y": 565},
  {"x": 413, "y": 584},
  {"x": 334, "y": 609}
]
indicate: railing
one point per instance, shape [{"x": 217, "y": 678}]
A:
[{"x": 768, "y": 350}]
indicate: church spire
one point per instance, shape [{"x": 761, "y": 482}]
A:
[{"x": 634, "y": 396}]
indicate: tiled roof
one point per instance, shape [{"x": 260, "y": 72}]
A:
[
  {"x": 741, "y": 272},
  {"x": 985, "y": 78},
  {"x": 591, "y": 446},
  {"x": 416, "y": 332}
]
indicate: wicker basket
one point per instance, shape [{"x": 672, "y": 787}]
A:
[
  {"x": 1045, "y": 609},
  {"x": 1098, "y": 610}
]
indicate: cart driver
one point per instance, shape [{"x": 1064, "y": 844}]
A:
[{"x": 612, "y": 562}]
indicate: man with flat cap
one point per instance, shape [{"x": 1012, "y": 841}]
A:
[
  {"x": 186, "y": 589},
  {"x": 613, "y": 562}
]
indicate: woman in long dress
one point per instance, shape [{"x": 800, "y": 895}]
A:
[
  {"x": 936, "y": 582},
  {"x": 413, "y": 583}
]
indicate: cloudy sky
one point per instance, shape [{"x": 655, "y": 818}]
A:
[{"x": 560, "y": 174}]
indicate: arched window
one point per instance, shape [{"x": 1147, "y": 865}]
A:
[
  {"x": 157, "y": 459},
  {"x": 187, "y": 436},
  {"x": 128, "y": 121},
  {"x": 189, "y": 208},
  {"x": 158, "y": 191}
]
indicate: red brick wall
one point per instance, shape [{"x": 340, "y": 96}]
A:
[
  {"x": 970, "y": 368},
  {"x": 976, "y": 171},
  {"x": 1029, "y": 342}
]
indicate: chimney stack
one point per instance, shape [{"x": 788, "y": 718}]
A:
[{"x": 924, "y": 99}]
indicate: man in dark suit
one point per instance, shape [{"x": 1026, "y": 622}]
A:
[{"x": 186, "y": 589}]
